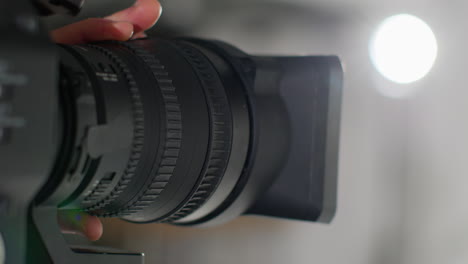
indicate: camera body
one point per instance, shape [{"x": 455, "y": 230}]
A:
[{"x": 285, "y": 135}]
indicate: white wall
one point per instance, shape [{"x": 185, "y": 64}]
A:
[{"x": 436, "y": 208}]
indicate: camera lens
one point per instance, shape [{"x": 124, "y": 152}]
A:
[
  {"x": 160, "y": 107},
  {"x": 186, "y": 130}
]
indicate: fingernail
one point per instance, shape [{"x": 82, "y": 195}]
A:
[
  {"x": 140, "y": 35},
  {"x": 160, "y": 13}
]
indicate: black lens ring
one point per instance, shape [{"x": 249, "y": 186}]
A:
[
  {"x": 174, "y": 132},
  {"x": 220, "y": 128}
]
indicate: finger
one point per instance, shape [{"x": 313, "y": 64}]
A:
[
  {"x": 93, "y": 29},
  {"x": 143, "y": 14},
  {"x": 93, "y": 228},
  {"x": 73, "y": 222}
]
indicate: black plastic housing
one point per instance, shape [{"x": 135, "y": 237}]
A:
[{"x": 306, "y": 188}]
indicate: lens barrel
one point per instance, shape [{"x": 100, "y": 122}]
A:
[{"x": 190, "y": 131}]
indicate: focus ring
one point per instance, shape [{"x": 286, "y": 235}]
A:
[
  {"x": 221, "y": 132},
  {"x": 95, "y": 200},
  {"x": 173, "y": 135}
]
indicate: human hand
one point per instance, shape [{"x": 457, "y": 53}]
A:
[{"x": 123, "y": 25}]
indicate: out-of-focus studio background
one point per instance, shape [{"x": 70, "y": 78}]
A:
[{"x": 403, "y": 181}]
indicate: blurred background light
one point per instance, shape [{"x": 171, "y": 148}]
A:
[{"x": 403, "y": 48}]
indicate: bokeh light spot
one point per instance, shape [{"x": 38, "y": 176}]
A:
[{"x": 403, "y": 49}]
